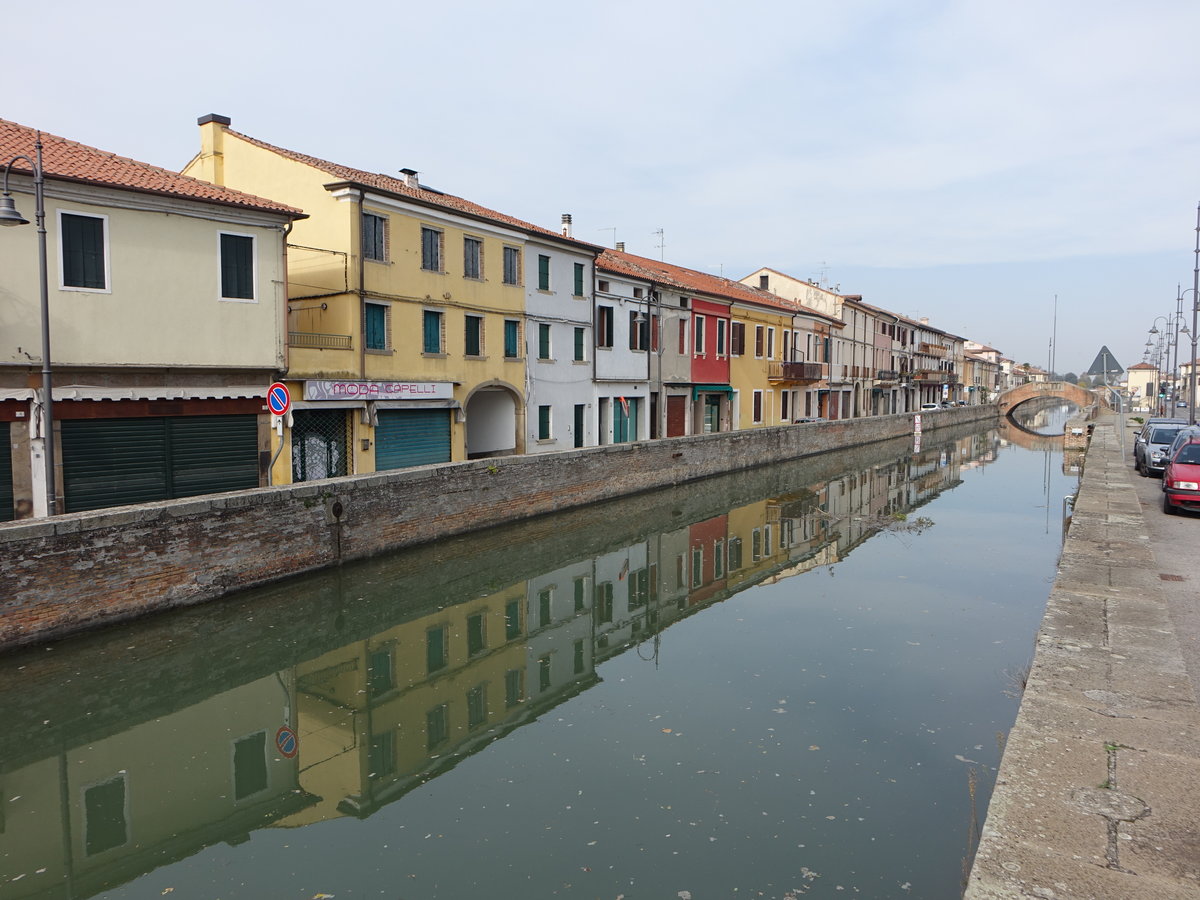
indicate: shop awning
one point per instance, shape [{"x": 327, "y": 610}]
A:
[{"x": 699, "y": 389}]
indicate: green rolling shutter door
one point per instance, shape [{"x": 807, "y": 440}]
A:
[
  {"x": 6, "y": 488},
  {"x": 113, "y": 462},
  {"x": 412, "y": 437}
]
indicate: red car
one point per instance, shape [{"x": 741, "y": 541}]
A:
[{"x": 1181, "y": 479}]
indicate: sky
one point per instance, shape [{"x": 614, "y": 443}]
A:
[{"x": 1024, "y": 174}]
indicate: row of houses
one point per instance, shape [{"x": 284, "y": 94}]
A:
[{"x": 410, "y": 325}]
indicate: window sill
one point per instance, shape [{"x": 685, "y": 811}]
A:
[
  {"x": 542, "y": 359},
  {"x": 434, "y": 355},
  {"x": 475, "y": 356},
  {"x": 579, "y": 362},
  {"x": 545, "y": 441},
  {"x": 514, "y": 359},
  {"x": 381, "y": 262},
  {"x": 387, "y": 351},
  {"x": 221, "y": 299}
]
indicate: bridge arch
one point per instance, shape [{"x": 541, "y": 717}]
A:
[{"x": 1033, "y": 390}]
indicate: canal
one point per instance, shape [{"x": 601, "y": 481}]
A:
[{"x": 795, "y": 681}]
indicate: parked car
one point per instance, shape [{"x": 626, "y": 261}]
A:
[
  {"x": 1181, "y": 478},
  {"x": 926, "y": 407},
  {"x": 1143, "y": 433},
  {"x": 1150, "y": 449}
]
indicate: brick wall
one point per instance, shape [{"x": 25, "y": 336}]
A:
[{"x": 77, "y": 571}]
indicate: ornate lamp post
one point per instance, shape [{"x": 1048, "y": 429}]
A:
[
  {"x": 10, "y": 216},
  {"x": 1195, "y": 309}
]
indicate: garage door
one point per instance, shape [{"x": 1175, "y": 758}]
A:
[
  {"x": 412, "y": 437},
  {"x": 6, "y": 488},
  {"x": 112, "y": 462}
]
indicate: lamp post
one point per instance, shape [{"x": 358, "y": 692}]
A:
[
  {"x": 1162, "y": 349},
  {"x": 10, "y": 216},
  {"x": 1195, "y": 310}
]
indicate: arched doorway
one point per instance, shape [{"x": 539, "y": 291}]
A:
[{"x": 494, "y": 421}]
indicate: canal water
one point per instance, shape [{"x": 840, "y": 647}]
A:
[{"x": 790, "y": 682}]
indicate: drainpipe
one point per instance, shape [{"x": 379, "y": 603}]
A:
[{"x": 362, "y": 293}]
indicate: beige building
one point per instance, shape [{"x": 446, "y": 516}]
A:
[{"x": 166, "y": 310}]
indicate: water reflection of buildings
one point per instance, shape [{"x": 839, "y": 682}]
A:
[{"x": 388, "y": 703}]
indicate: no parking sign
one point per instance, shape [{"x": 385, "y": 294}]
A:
[
  {"x": 287, "y": 742},
  {"x": 279, "y": 398}
]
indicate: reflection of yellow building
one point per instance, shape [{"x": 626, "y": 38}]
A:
[
  {"x": 100, "y": 814},
  {"x": 406, "y": 311}
]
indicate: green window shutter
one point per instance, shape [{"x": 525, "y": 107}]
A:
[
  {"x": 433, "y": 332},
  {"x": 510, "y": 340},
  {"x": 83, "y": 252},
  {"x": 579, "y": 334},
  {"x": 578, "y": 279},
  {"x": 431, "y": 250},
  {"x": 543, "y": 273},
  {"x": 543, "y": 423},
  {"x": 512, "y": 265},
  {"x": 473, "y": 344},
  {"x": 543, "y": 341},
  {"x": 237, "y": 267},
  {"x": 376, "y": 326}
]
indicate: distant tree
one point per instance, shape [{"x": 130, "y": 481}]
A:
[{"x": 1069, "y": 377}]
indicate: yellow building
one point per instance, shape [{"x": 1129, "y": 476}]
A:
[{"x": 406, "y": 316}]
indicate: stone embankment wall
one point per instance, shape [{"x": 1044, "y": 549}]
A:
[{"x": 77, "y": 571}]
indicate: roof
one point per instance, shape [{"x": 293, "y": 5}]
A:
[
  {"x": 401, "y": 188},
  {"x": 66, "y": 160},
  {"x": 1143, "y": 365},
  {"x": 693, "y": 281}
]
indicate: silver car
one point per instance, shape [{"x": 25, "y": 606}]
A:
[{"x": 1150, "y": 451}]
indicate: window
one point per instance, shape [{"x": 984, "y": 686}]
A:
[
  {"x": 604, "y": 326},
  {"x": 578, "y": 279},
  {"x": 722, "y": 325},
  {"x": 431, "y": 249},
  {"x": 734, "y": 552},
  {"x": 580, "y": 593},
  {"x": 512, "y": 339},
  {"x": 639, "y": 331},
  {"x": 374, "y": 237},
  {"x": 770, "y": 343},
  {"x": 250, "y": 765},
  {"x": 698, "y": 343},
  {"x": 604, "y": 603},
  {"x": 602, "y": 285},
  {"x": 683, "y": 335},
  {"x": 476, "y": 638},
  {"x": 579, "y": 424},
  {"x": 737, "y": 338},
  {"x": 375, "y": 326},
  {"x": 697, "y": 566},
  {"x": 784, "y": 396},
  {"x": 512, "y": 265},
  {"x": 472, "y": 257},
  {"x": 476, "y": 706},
  {"x": 237, "y": 267},
  {"x": 544, "y": 341},
  {"x": 637, "y": 293},
  {"x": 512, "y": 619},
  {"x": 579, "y": 660},
  {"x": 514, "y": 687},
  {"x": 104, "y": 816},
  {"x": 758, "y": 407},
  {"x": 544, "y": 598},
  {"x": 435, "y": 648},
  {"x": 544, "y": 672},
  {"x": 474, "y": 336},
  {"x": 718, "y": 559},
  {"x": 543, "y": 423},
  {"x": 580, "y": 351},
  {"x": 83, "y": 242},
  {"x": 380, "y": 677},
  {"x": 432, "y": 327},
  {"x": 437, "y": 726},
  {"x": 381, "y": 755},
  {"x": 543, "y": 273},
  {"x": 755, "y": 545},
  {"x": 758, "y": 341}
]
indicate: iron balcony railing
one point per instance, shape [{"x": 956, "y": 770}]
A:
[
  {"x": 312, "y": 340},
  {"x": 796, "y": 371}
]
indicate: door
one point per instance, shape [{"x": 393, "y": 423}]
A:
[
  {"x": 712, "y": 413},
  {"x": 6, "y": 487},
  {"x": 412, "y": 437},
  {"x": 676, "y": 416},
  {"x": 320, "y": 444}
]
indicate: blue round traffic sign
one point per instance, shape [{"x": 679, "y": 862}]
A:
[
  {"x": 287, "y": 742},
  {"x": 279, "y": 398}
]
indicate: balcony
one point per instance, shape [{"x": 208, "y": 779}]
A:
[
  {"x": 931, "y": 349},
  {"x": 934, "y": 376},
  {"x": 312, "y": 340},
  {"x": 887, "y": 375},
  {"x": 795, "y": 372}
]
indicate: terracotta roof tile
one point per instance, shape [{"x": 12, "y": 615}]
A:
[
  {"x": 401, "y": 188},
  {"x": 693, "y": 281},
  {"x": 71, "y": 161}
]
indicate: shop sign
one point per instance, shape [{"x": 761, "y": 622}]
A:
[{"x": 378, "y": 390}]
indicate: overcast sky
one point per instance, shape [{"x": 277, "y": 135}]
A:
[{"x": 965, "y": 161}]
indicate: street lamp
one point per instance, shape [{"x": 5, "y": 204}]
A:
[
  {"x": 1195, "y": 289},
  {"x": 10, "y": 216}
]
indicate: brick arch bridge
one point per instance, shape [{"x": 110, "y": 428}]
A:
[{"x": 1060, "y": 390}]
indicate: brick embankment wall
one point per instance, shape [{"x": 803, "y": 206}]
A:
[{"x": 77, "y": 571}]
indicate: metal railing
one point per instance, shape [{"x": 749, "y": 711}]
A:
[{"x": 311, "y": 340}]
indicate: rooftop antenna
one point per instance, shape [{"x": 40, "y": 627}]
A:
[
  {"x": 613, "y": 229},
  {"x": 662, "y": 244}
]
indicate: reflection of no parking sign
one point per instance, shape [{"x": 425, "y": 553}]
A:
[
  {"x": 279, "y": 398},
  {"x": 287, "y": 742}
]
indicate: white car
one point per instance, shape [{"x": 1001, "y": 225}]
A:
[{"x": 925, "y": 407}]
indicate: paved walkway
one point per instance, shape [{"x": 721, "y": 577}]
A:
[{"x": 1098, "y": 793}]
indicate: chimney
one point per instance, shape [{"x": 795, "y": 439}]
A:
[
  {"x": 924, "y": 320},
  {"x": 410, "y": 178},
  {"x": 620, "y": 246},
  {"x": 764, "y": 282},
  {"x": 566, "y": 225},
  {"x": 212, "y": 148}
]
